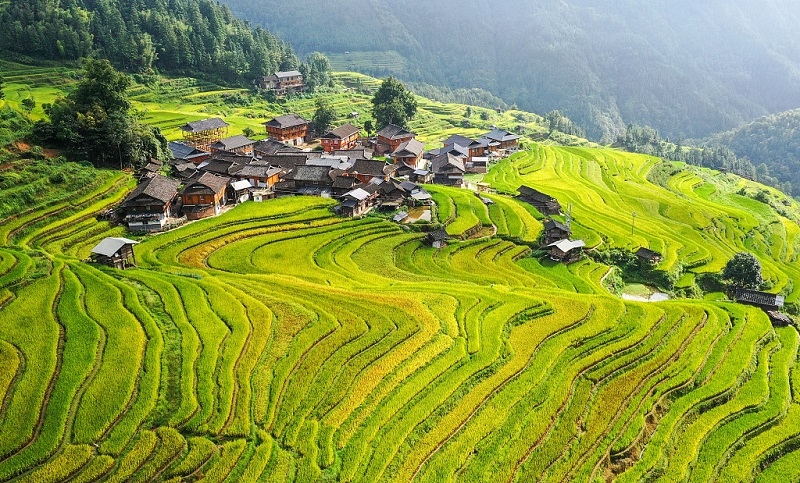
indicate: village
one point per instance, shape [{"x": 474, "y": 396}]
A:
[{"x": 211, "y": 172}]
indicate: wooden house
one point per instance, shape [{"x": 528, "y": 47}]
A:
[
  {"x": 151, "y": 204},
  {"x": 477, "y": 165},
  {"x": 282, "y": 83},
  {"x": 448, "y": 170},
  {"x": 150, "y": 169},
  {"x": 270, "y": 147},
  {"x": 311, "y": 180},
  {"x": 204, "y": 133},
  {"x": 390, "y": 138},
  {"x": 647, "y": 255},
  {"x": 555, "y": 231},
  {"x": 566, "y": 250},
  {"x": 367, "y": 169},
  {"x": 408, "y": 153},
  {"x": 342, "y": 138},
  {"x": 546, "y": 204},
  {"x": 357, "y": 202},
  {"x": 204, "y": 196},
  {"x": 289, "y": 129},
  {"x": 186, "y": 153},
  {"x": 504, "y": 139},
  {"x": 260, "y": 176},
  {"x": 437, "y": 238},
  {"x": 115, "y": 252},
  {"x": 234, "y": 144},
  {"x": 474, "y": 148},
  {"x": 764, "y": 300},
  {"x": 239, "y": 191},
  {"x": 778, "y": 319}
]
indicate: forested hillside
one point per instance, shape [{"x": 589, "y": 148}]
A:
[
  {"x": 772, "y": 144},
  {"x": 192, "y": 37},
  {"x": 686, "y": 68}
]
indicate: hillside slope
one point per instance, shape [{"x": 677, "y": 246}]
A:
[
  {"x": 773, "y": 141},
  {"x": 280, "y": 343},
  {"x": 686, "y": 68}
]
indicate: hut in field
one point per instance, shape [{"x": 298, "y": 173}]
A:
[
  {"x": 437, "y": 238},
  {"x": 546, "y": 204},
  {"x": 115, "y": 252},
  {"x": 649, "y": 256},
  {"x": 566, "y": 250},
  {"x": 764, "y": 300}
]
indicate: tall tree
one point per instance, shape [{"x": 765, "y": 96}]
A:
[
  {"x": 95, "y": 121},
  {"x": 323, "y": 116},
  {"x": 393, "y": 104},
  {"x": 743, "y": 271}
]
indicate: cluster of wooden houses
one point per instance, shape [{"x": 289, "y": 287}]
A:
[{"x": 211, "y": 170}]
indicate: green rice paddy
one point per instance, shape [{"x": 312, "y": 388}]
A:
[{"x": 279, "y": 342}]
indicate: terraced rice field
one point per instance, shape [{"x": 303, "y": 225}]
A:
[{"x": 280, "y": 343}]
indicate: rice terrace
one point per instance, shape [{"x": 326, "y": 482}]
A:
[{"x": 281, "y": 342}]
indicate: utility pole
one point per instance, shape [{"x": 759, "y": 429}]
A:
[{"x": 633, "y": 223}]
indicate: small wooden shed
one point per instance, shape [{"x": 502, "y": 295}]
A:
[{"x": 115, "y": 252}]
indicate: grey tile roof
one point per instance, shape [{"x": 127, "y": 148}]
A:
[
  {"x": 412, "y": 147},
  {"x": 500, "y": 135},
  {"x": 289, "y": 120},
  {"x": 393, "y": 131},
  {"x": 204, "y": 125},
  {"x": 447, "y": 162},
  {"x": 759, "y": 298},
  {"x": 216, "y": 183},
  {"x": 233, "y": 142},
  {"x": 158, "y": 187},
  {"x": 342, "y": 132}
]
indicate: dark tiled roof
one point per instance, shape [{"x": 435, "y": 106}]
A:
[
  {"x": 758, "y": 298},
  {"x": 536, "y": 195},
  {"x": 342, "y": 132},
  {"x": 257, "y": 171},
  {"x": 184, "y": 151},
  {"x": 438, "y": 235},
  {"x": 311, "y": 173},
  {"x": 412, "y": 147},
  {"x": 204, "y": 125},
  {"x": 458, "y": 139},
  {"x": 223, "y": 167},
  {"x": 233, "y": 142},
  {"x": 158, "y": 187},
  {"x": 369, "y": 167},
  {"x": 288, "y": 73},
  {"x": 500, "y": 135},
  {"x": 212, "y": 181},
  {"x": 779, "y": 318},
  {"x": 395, "y": 132},
  {"x": 646, "y": 253},
  {"x": 289, "y": 120},
  {"x": 447, "y": 162},
  {"x": 344, "y": 182},
  {"x": 555, "y": 224},
  {"x": 270, "y": 147}
]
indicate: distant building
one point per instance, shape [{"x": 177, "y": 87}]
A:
[
  {"x": 357, "y": 202},
  {"x": 270, "y": 147},
  {"x": 291, "y": 129},
  {"x": 437, "y": 238},
  {"x": 546, "y": 204},
  {"x": 566, "y": 250},
  {"x": 647, "y": 255},
  {"x": 282, "y": 83},
  {"x": 342, "y": 138},
  {"x": 151, "y": 204},
  {"x": 201, "y": 134},
  {"x": 235, "y": 144},
  {"x": 184, "y": 152},
  {"x": 115, "y": 252},
  {"x": 367, "y": 169},
  {"x": 204, "y": 196},
  {"x": 390, "y": 137},
  {"x": 472, "y": 147},
  {"x": 764, "y": 300},
  {"x": 555, "y": 231},
  {"x": 504, "y": 139}
]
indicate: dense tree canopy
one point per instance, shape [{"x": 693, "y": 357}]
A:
[
  {"x": 743, "y": 271},
  {"x": 95, "y": 121},
  {"x": 324, "y": 116},
  {"x": 393, "y": 104},
  {"x": 191, "y": 37}
]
